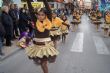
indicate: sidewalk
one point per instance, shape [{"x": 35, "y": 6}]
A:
[{"x": 9, "y": 51}]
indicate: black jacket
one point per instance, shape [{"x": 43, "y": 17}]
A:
[
  {"x": 2, "y": 30},
  {"x": 13, "y": 14},
  {"x": 23, "y": 20},
  {"x": 7, "y": 23}
]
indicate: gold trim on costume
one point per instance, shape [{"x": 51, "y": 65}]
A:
[
  {"x": 42, "y": 39},
  {"x": 34, "y": 51}
]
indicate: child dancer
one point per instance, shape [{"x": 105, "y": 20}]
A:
[
  {"x": 76, "y": 20},
  {"x": 56, "y": 31},
  {"x": 24, "y": 39},
  {"x": 42, "y": 50},
  {"x": 97, "y": 22},
  {"x": 64, "y": 28},
  {"x": 107, "y": 24}
]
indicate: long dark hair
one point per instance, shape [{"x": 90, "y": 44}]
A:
[
  {"x": 21, "y": 10},
  {"x": 43, "y": 10}
]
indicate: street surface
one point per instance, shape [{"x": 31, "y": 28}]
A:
[{"x": 85, "y": 51}]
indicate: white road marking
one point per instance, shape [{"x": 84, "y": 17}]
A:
[
  {"x": 78, "y": 43},
  {"x": 100, "y": 46}
]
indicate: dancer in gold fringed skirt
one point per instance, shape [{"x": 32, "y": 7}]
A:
[
  {"x": 42, "y": 50},
  {"x": 76, "y": 20},
  {"x": 64, "y": 29},
  {"x": 106, "y": 26},
  {"x": 56, "y": 32}
]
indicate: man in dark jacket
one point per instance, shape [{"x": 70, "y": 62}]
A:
[
  {"x": 8, "y": 25},
  {"x": 2, "y": 34},
  {"x": 23, "y": 20},
  {"x": 12, "y": 13}
]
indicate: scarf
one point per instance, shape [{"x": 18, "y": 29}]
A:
[{"x": 42, "y": 26}]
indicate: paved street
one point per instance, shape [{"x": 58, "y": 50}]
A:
[{"x": 85, "y": 51}]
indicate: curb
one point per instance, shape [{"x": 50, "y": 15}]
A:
[{"x": 2, "y": 58}]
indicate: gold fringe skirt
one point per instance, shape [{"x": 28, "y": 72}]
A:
[
  {"x": 64, "y": 31},
  {"x": 106, "y": 26},
  {"x": 55, "y": 32},
  {"x": 107, "y": 23},
  {"x": 97, "y": 22},
  {"x": 75, "y": 22},
  {"x": 42, "y": 52},
  {"x": 22, "y": 43}
]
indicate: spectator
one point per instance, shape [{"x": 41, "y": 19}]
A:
[
  {"x": 58, "y": 11},
  {"x": 23, "y": 20},
  {"x": 8, "y": 24},
  {"x": 17, "y": 11},
  {"x": 29, "y": 25},
  {"x": 12, "y": 13}
]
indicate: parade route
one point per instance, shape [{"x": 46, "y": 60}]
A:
[{"x": 85, "y": 51}]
